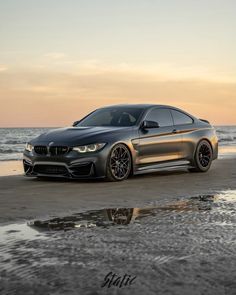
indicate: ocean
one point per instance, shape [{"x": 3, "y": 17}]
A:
[{"x": 12, "y": 140}]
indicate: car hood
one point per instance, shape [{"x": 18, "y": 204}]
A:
[{"x": 79, "y": 135}]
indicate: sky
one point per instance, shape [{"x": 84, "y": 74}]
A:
[{"x": 60, "y": 59}]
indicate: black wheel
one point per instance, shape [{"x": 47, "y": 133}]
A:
[
  {"x": 119, "y": 163},
  {"x": 203, "y": 157}
]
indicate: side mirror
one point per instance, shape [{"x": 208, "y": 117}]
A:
[
  {"x": 75, "y": 123},
  {"x": 150, "y": 125}
]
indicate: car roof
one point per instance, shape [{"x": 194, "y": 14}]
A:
[
  {"x": 144, "y": 106},
  {"x": 141, "y": 105},
  {"x": 149, "y": 106}
]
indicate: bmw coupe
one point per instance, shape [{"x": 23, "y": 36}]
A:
[{"x": 118, "y": 141}]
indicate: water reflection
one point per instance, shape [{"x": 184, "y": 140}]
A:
[
  {"x": 122, "y": 216},
  {"x": 184, "y": 242}
]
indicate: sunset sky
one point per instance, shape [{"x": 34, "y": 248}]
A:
[{"x": 60, "y": 59}]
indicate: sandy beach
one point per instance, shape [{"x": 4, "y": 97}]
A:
[
  {"x": 184, "y": 245},
  {"x": 56, "y": 236},
  {"x": 8, "y": 168},
  {"x": 24, "y": 198}
]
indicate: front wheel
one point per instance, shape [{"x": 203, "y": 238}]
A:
[
  {"x": 203, "y": 157},
  {"x": 119, "y": 163}
]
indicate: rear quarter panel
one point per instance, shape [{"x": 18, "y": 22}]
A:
[{"x": 193, "y": 137}]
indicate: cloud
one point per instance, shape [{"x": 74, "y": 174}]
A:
[
  {"x": 55, "y": 55},
  {"x": 62, "y": 97},
  {"x": 153, "y": 71},
  {"x": 159, "y": 71},
  {"x": 3, "y": 68}
]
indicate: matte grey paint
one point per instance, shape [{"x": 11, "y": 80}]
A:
[{"x": 155, "y": 148}]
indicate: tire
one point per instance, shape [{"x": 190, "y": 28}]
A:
[
  {"x": 119, "y": 163},
  {"x": 203, "y": 157}
]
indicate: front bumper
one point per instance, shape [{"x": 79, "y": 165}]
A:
[{"x": 70, "y": 165}]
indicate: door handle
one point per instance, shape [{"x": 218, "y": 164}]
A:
[{"x": 174, "y": 131}]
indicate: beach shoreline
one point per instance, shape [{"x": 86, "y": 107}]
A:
[
  {"x": 179, "y": 235},
  {"x": 12, "y": 167},
  {"x": 15, "y": 167},
  {"x": 23, "y": 198}
]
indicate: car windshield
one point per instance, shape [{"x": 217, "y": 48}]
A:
[{"x": 116, "y": 117}]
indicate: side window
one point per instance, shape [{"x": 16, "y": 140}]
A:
[
  {"x": 180, "y": 118},
  {"x": 161, "y": 116}
]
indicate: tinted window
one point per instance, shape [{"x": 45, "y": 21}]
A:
[
  {"x": 120, "y": 116},
  {"x": 161, "y": 116},
  {"x": 180, "y": 118}
]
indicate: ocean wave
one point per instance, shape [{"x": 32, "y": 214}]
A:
[
  {"x": 226, "y": 130},
  {"x": 226, "y": 134},
  {"x": 227, "y": 138},
  {"x": 11, "y": 157},
  {"x": 12, "y": 141},
  {"x": 221, "y": 131},
  {"x": 10, "y": 151}
]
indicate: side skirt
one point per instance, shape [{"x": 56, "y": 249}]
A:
[{"x": 175, "y": 165}]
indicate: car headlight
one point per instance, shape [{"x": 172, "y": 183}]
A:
[
  {"x": 89, "y": 148},
  {"x": 29, "y": 147}
]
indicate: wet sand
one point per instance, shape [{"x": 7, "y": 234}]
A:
[
  {"x": 183, "y": 245},
  {"x": 24, "y": 198},
  {"x": 186, "y": 246}
]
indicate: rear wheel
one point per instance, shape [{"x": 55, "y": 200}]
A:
[
  {"x": 203, "y": 157},
  {"x": 119, "y": 163}
]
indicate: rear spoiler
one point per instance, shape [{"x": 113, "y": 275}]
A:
[{"x": 204, "y": 121}]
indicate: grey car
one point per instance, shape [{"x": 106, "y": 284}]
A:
[{"x": 118, "y": 141}]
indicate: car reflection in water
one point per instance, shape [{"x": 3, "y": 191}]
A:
[{"x": 121, "y": 216}]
